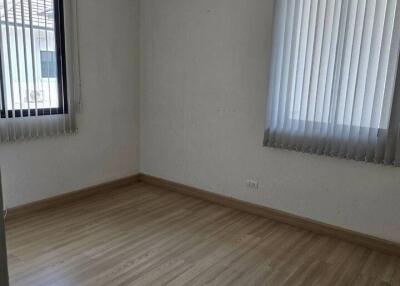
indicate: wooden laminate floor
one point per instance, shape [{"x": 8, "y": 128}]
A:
[{"x": 141, "y": 235}]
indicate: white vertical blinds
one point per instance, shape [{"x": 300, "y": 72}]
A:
[
  {"x": 39, "y": 68},
  {"x": 333, "y": 79}
]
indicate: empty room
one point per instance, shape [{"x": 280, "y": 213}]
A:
[{"x": 199, "y": 142}]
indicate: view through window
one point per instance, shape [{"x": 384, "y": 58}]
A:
[{"x": 31, "y": 57}]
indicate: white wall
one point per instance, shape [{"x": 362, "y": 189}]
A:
[
  {"x": 106, "y": 146},
  {"x": 204, "y": 72}
]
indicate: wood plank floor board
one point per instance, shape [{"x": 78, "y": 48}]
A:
[
  {"x": 99, "y": 221},
  {"x": 268, "y": 247},
  {"x": 80, "y": 232},
  {"x": 203, "y": 253},
  {"x": 145, "y": 235},
  {"x": 126, "y": 243},
  {"x": 167, "y": 241},
  {"x": 190, "y": 248},
  {"x": 121, "y": 237},
  {"x": 75, "y": 211}
]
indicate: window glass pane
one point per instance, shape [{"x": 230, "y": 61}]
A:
[
  {"x": 48, "y": 64},
  {"x": 29, "y": 57}
]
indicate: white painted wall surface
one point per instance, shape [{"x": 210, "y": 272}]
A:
[
  {"x": 204, "y": 83},
  {"x": 106, "y": 146}
]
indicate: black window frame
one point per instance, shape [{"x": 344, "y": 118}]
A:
[{"x": 59, "y": 29}]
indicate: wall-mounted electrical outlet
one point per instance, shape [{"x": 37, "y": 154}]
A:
[{"x": 252, "y": 184}]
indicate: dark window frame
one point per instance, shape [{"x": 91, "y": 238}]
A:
[{"x": 61, "y": 74}]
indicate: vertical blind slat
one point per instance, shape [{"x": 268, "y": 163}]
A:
[
  {"x": 371, "y": 54},
  {"x": 330, "y": 145},
  {"x": 17, "y": 61},
  {"x": 308, "y": 72},
  {"x": 351, "y": 138},
  {"x": 288, "y": 61},
  {"x": 394, "y": 129},
  {"x": 320, "y": 64},
  {"x": 32, "y": 46},
  {"x": 295, "y": 66},
  {"x": 300, "y": 73},
  {"x": 16, "y": 42},
  {"x": 13, "y": 134},
  {"x": 351, "y": 68},
  {"x": 8, "y": 47},
  {"x": 384, "y": 57},
  {"x": 332, "y": 36},
  {"x": 276, "y": 62},
  {"x": 5, "y": 131},
  {"x": 24, "y": 43},
  {"x": 281, "y": 66}
]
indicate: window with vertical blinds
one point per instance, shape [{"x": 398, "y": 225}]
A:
[
  {"x": 35, "y": 65},
  {"x": 333, "y": 85}
]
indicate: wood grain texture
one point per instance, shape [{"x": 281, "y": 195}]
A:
[
  {"x": 386, "y": 246},
  {"x": 28, "y": 209},
  {"x": 145, "y": 235}
]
